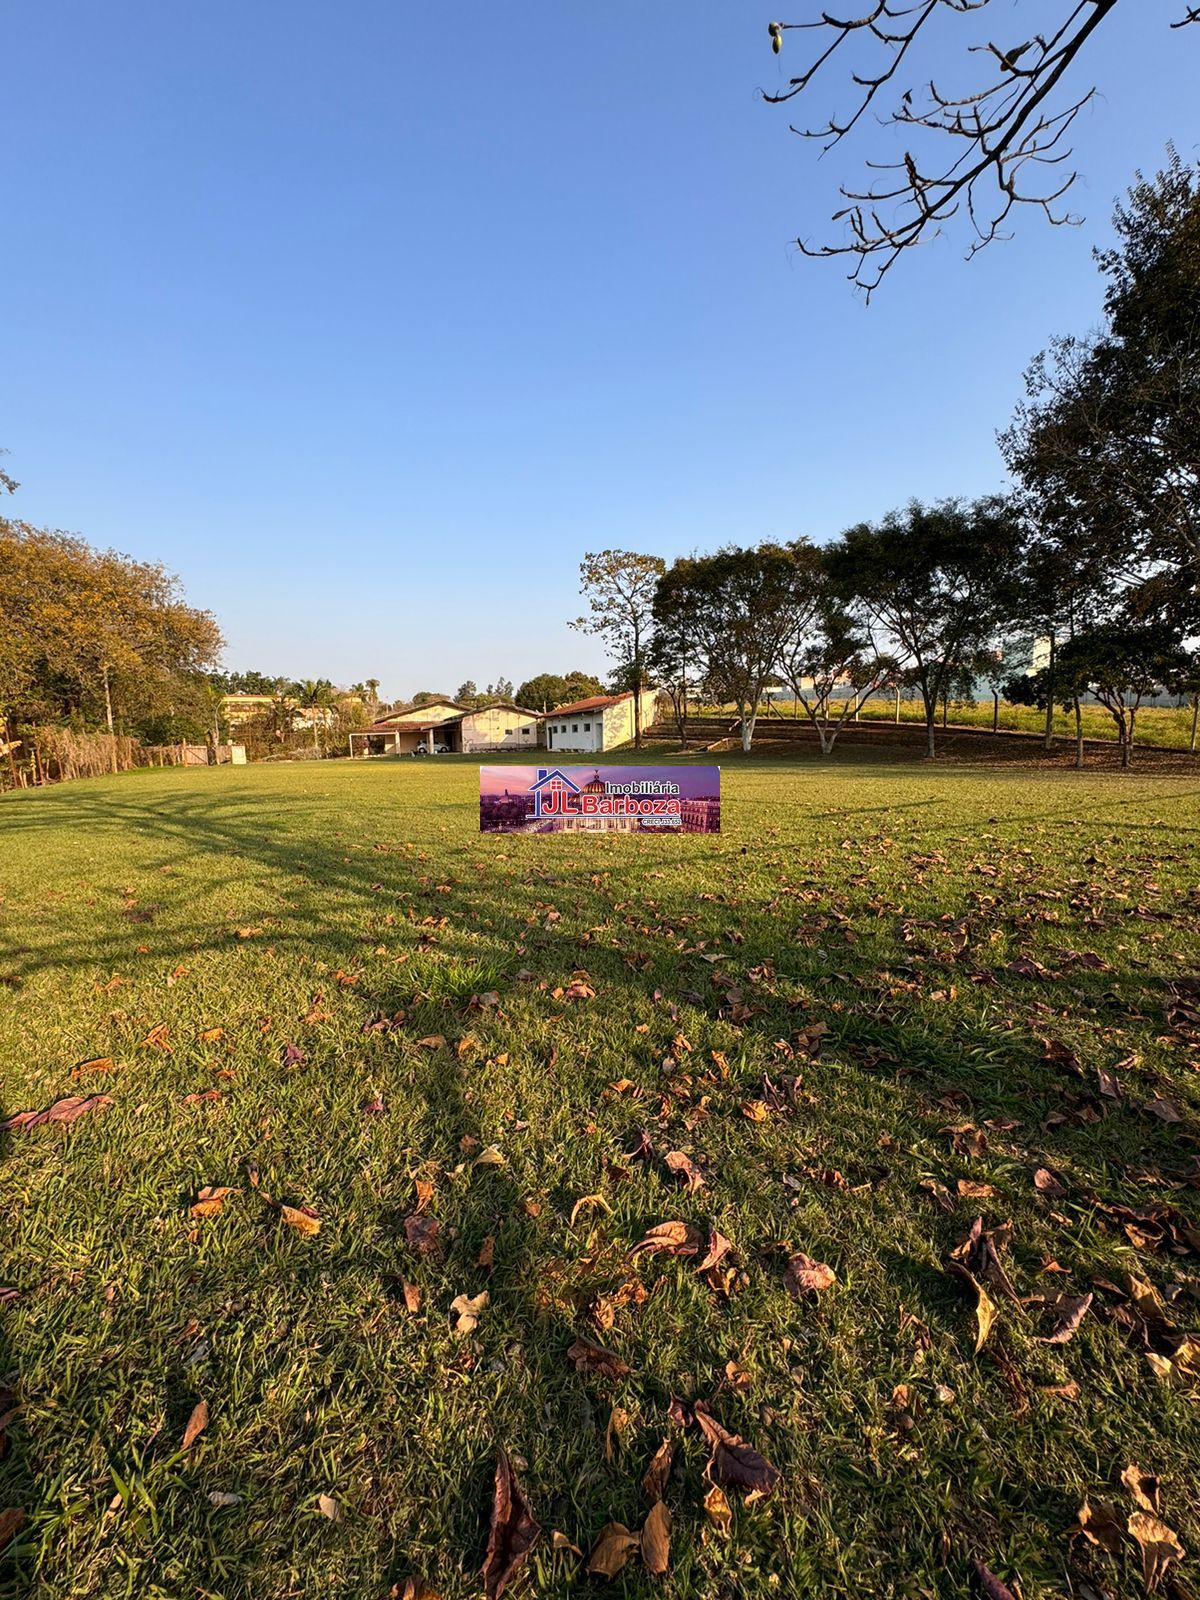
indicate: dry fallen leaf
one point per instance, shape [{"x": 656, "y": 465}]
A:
[
  {"x": 422, "y": 1233},
  {"x": 718, "y": 1511},
  {"x": 197, "y": 1423},
  {"x": 734, "y": 1463},
  {"x": 97, "y": 1064},
  {"x": 669, "y": 1238},
  {"x": 685, "y": 1169},
  {"x": 432, "y": 1041},
  {"x": 1159, "y": 1545},
  {"x": 588, "y": 1356},
  {"x": 12, "y": 1520},
  {"x": 302, "y": 1218},
  {"x": 1101, "y": 1524},
  {"x": 611, "y": 1550},
  {"x": 66, "y": 1110},
  {"x": 210, "y": 1200},
  {"x": 985, "y": 1310},
  {"x": 806, "y": 1276},
  {"x": 1071, "y": 1311},
  {"x": 1143, "y": 1486},
  {"x": 989, "y": 1583},
  {"x": 1047, "y": 1182},
  {"x": 467, "y": 1310},
  {"x": 587, "y": 1201},
  {"x": 654, "y": 1481},
  {"x": 512, "y": 1533},
  {"x": 656, "y": 1540},
  {"x": 329, "y": 1507}
]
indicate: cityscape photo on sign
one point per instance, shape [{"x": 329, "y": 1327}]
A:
[{"x": 595, "y": 799}]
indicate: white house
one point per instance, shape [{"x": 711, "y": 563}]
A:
[
  {"x": 600, "y": 723},
  {"x": 443, "y": 724}
]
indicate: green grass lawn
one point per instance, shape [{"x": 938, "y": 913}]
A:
[{"x": 229, "y": 937}]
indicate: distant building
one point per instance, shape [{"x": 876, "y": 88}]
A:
[
  {"x": 600, "y": 723},
  {"x": 445, "y": 724}
]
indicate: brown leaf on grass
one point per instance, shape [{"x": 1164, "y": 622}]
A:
[
  {"x": 421, "y": 1232},
  {"x": 656, "y": 1540},
  {"x": 303, "y": 1219},
  {"x": 588, "y": 1356},
  {"x": 1047, "y": 1182},
  {"x": 1159, "y": 1545},
  {"x": 1071, "y": 1311},
  {"x": 967, "y": 1139},
  {"x": 654, "y": 1480},
  {"x": 67, "y": 1110},
  {"x": 1101, "y": 1525},
  {"x": 803, "y": 1275},
  {"x": 210, "y": 1200},
  {"x": 1061, "y": 1055},
  {"x": 938, "y": 1193},
  {"x": 980, "y": 1251},
  {"x": 1143, "y": 1486},
  {"x": 424, "y": 1193},
  {"x": 969, "y": 1189},
  {"x": 432, "y": 1041},
  {"x": 989, "y": 1584},
  {"x": 512, "y": 1533},
  {"x": 158, "y": 1037},
  {"x": 211, "y": 1035},
  {"x": 716, "y": 1248},
  {"x": 467, "y": 1311},
  {"x": 718, "y": 1511},
  {"x": 1107, "y": 1084},
  {"x": 12, "y": 1520},
  {"x": 734, "y": 1463},
  {"x": 669, "y": 1238},
  {"x": 985, "y": 1310},
  {"x": 412, "y": 1297},
  {"x": 487, "y": 1253},
  {"x": 97, "y": 1064},
  {"x": 685, "y": 1169},
  {"x": 1162, "y": 1108},
  {"x": 612, "y": 1550},
  {"x": 197, "y": 1423},
  {"x": 586, "y": 1202}
]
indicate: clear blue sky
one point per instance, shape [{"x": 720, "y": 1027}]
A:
[{"x": 370, "y": 318}]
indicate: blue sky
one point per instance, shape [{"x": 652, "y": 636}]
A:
[{"x": 369, "y": 319}]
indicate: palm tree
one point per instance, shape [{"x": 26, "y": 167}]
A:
[{"x": 314, "y": 695}]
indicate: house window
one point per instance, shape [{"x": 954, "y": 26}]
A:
[
  {"x": 574, "y": 727},
  {"x": 525, "y": 732},
  {"x": 587, "y": 727}
]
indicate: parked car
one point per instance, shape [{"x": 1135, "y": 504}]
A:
[{"x": 438, "y": 750}]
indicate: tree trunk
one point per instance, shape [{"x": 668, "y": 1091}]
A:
[
  {"x": 748, "y": 721},
  {"x": 945, "y": 708},
  {"x": 108, "y": 713},
  {"x": 1050, "y": 696},
  {"x": 995, "y": 712},
  {"x": 897, "y": 705},
  {"x": 637, "y": 688},
  {"x": 930, "y": 725},
  {"x": 12, "y": 761},
  {"x": 1128, "y": 762},
  {"x": 1195, "y": 719},
  {"x": 1078, "y": 735}
]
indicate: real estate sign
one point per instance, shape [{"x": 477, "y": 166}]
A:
[{"x": 595, "y": 799}]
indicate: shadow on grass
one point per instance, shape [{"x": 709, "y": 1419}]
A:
[{"x": 17, "y": 1488}]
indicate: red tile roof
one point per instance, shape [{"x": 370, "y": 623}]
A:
[{"x": 596, "y": 703}]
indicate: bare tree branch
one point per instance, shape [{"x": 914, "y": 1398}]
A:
[{"x": 1008, "y": 138}]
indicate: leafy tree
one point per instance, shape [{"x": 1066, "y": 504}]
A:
[
  {"x": 1107, "y": 441},
  {"x": 974, "y": 149},
  {"x": 314, "y": 695},
  {"x": 93, "y": 634},
  {"x": 827, "y": 651},
  {"x": 743, "y": 603},
  {"x": 424, "y": 697},
  {"x": 550, "y": 689},
  {"x": 467, "y": 693},
  {"x": 934, "y": 582},
  {"x": 1123, "y": 662},
  {"x": 619, "y": 586}
]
